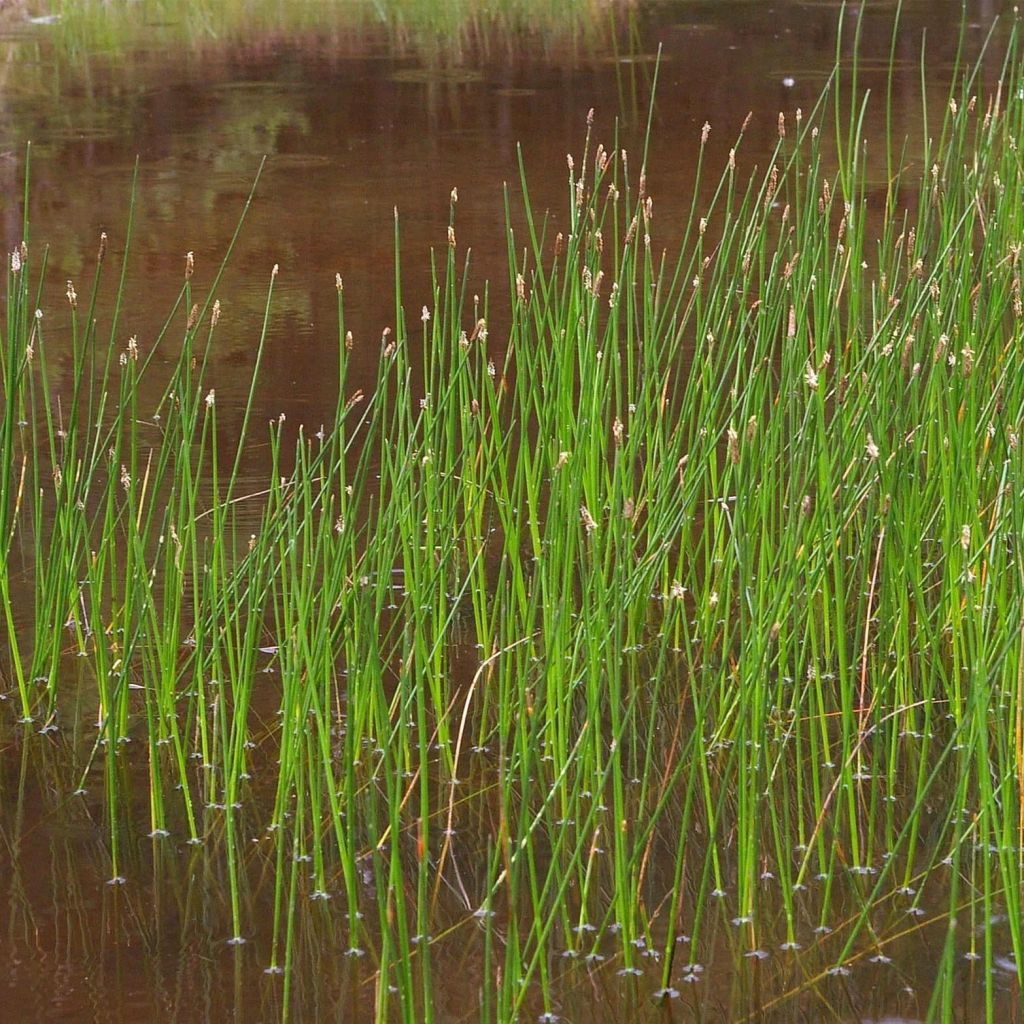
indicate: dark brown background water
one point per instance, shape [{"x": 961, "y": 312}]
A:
[
  {"x": 352, "y": 129},
  {"x": 356, "y": 121}
]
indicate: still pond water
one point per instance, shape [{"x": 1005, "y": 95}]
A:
[{"x": 356, "y": 119}]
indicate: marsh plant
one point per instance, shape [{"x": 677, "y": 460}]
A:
[{"x": 660, "y": 621}]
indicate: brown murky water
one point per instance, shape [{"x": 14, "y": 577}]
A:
[{"x": 354, "y": 123}]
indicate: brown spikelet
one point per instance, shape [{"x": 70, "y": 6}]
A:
[
  {"x": 908, "y": 351},
  {"x": 103, "y": 247},
  {"x": 193, "y": 316}
]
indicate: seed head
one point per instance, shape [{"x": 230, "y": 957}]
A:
[
  {"x": 103, "y": 247},
  {"x": 967, "y": 360},
  {"x": 72, "y": 295},
  {"x": 705, "y": 132},
  {"x": 190, "y": 264}
]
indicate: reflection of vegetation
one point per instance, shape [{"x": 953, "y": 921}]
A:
[
  {"x": 447, "y": 30},
  {"x": 692, "y": 602}
]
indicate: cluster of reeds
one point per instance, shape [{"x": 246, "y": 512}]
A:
[
  {"x": 671, "y": 614},
  {"x": 446, "y": 31}
]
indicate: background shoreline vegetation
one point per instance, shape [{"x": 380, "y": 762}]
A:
[
  {"x": 654, "y": 621},
  {"x": 449, "y": 33}
]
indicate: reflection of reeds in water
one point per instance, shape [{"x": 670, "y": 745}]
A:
[
  {"x": 692, "y": 604},
  {"x": 435, "y": 31}
]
